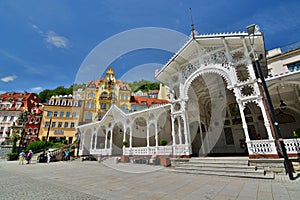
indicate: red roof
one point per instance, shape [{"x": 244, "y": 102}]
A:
[
  {"x": 27, "y": 100},
  {"x": 147, "y": 101}
]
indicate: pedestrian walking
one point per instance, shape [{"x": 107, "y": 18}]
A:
[
  {"x": 48, "y": 156},
  {"x": 22, "y": 156},
  {"x": 67, "y": 155},
  {"x": 29, "y": 156},
  {"x": 63, "y": 155}
]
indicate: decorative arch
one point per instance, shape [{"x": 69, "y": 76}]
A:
[
  {"x": 292, "y": 83},
  {"x": 225, "y": 73}
]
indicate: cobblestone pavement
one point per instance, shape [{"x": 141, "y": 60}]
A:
[{"x": 93, "y": 180}]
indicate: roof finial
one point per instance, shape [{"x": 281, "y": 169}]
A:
[{"x": 193, "y": 27}]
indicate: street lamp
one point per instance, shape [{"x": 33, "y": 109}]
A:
[
  {"x": 48, "y": 130},
  {"x": 252, "y": 29}
]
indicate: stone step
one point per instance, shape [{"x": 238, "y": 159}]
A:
[
  {"x": 229, "y": 174},
  {"x": 215, "y": 165},
  {"x": 223, "y": 166},
  {"x": 220, "y": 169},
  {"x": 220, "y": 161}
]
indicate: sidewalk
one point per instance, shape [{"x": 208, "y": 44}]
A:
[{"x": 93, "y": 180}]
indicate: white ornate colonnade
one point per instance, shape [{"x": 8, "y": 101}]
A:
[{"x": 199, "y": 105}]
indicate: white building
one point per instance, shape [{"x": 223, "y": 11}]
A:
[{"x": 216, "y": 105}]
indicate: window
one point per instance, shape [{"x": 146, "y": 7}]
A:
[
  {"x": 112, "y": 95},
  {"x": 92, "y": 105},
  {"x": 11, "y": 118},
  {"x": 74, "y": 114},
  {"x": 49, "y": 113},
  {"x": 76, "y": 103},
  {"x": 228, "y": 136},
  {"x": 87, "y": 105},
  {"x": 61, "y": 114},
  {"x": 68, "y": 114},
  {"x": 55, "y": 113},
  {"x": 35, "y": 130},
  {"x": 294, "y": 66},
  {"x": 91, "y": 95},
  {"x": 47, "y": 124},
  {"x": 37, "y": 120},
  {"x": 66, "y": 124},
  {"x": 104, "y": 95},
  {"x": 18, "y": 105},
  {"x": 103, "y": 106},
  {"x": 89, "y": 116},
  {"x": 72, "y": 125},
  {"x": 53, "y": 124},
  {"x": 29, "y": 130},
  {"x": 4, "y": 118},
  {"x": 59, "y": 124}
]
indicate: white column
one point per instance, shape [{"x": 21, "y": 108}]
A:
[
  {"x": 148, "y": 142},
  {"x": 179, "y": 130},
  {"x": 266, "y": 119},
  {"x": 111, "y": 141},
  {"x": 147, "y": 136},
  {"x": 130, "y": 137},
  {"x": 156, "y": 134},
  {"x": 81, "y": 141},
  {"x": 244, "y": 123},
  {"x": 91, "y": 141},
  {"x": 186, "y": 139},
  {"x": 124, "y": 133},
  {"x": 95, "y": 140},
  {"x": 105, "y": 143},
  {"x": 173, "y": 130}
]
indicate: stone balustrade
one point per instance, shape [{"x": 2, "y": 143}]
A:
[
  {"x": 262, "y": 148},
  {"x": 292, "y": 146}
]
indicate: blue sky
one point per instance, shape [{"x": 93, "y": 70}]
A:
[{"x": 44, "y": 43}]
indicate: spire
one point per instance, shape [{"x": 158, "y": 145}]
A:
[{"x": 193, "y": 27}]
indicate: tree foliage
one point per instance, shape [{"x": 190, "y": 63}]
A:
[
  {"x": 60, "y": 90},
  {"x": 143, "y": 85},
  {"x": 135, "y": 86}
]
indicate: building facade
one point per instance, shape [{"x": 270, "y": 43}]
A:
[
  {"x": 217, "y": 106},
  {"x": 33, "y": 124},
  {"x": 60, "y": 119},
  {"x": 11, "y": 105},
  {"x": 98, "y": 96}
]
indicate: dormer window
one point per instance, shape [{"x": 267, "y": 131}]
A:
[{"x": 18, "y": 105}]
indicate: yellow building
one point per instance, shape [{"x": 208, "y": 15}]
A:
[
  {"x": 99, "y": 95},
  {"x": 60, "y": 118},
  {"x": 89, "y": 105}
]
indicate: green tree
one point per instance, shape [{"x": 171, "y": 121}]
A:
[
  {"x": 60, "y": 90},
  {"x": 143, "y": 85}
]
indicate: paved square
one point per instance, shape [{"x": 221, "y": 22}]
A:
[{"x": 93, "y": 180}]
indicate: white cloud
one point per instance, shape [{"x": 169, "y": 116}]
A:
[
  {"x": 36, "y": 88},
  {"x": 8, "y": 78},
  {"x": 51, "y": 38},
  {"x": 55, "y": 40}
]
